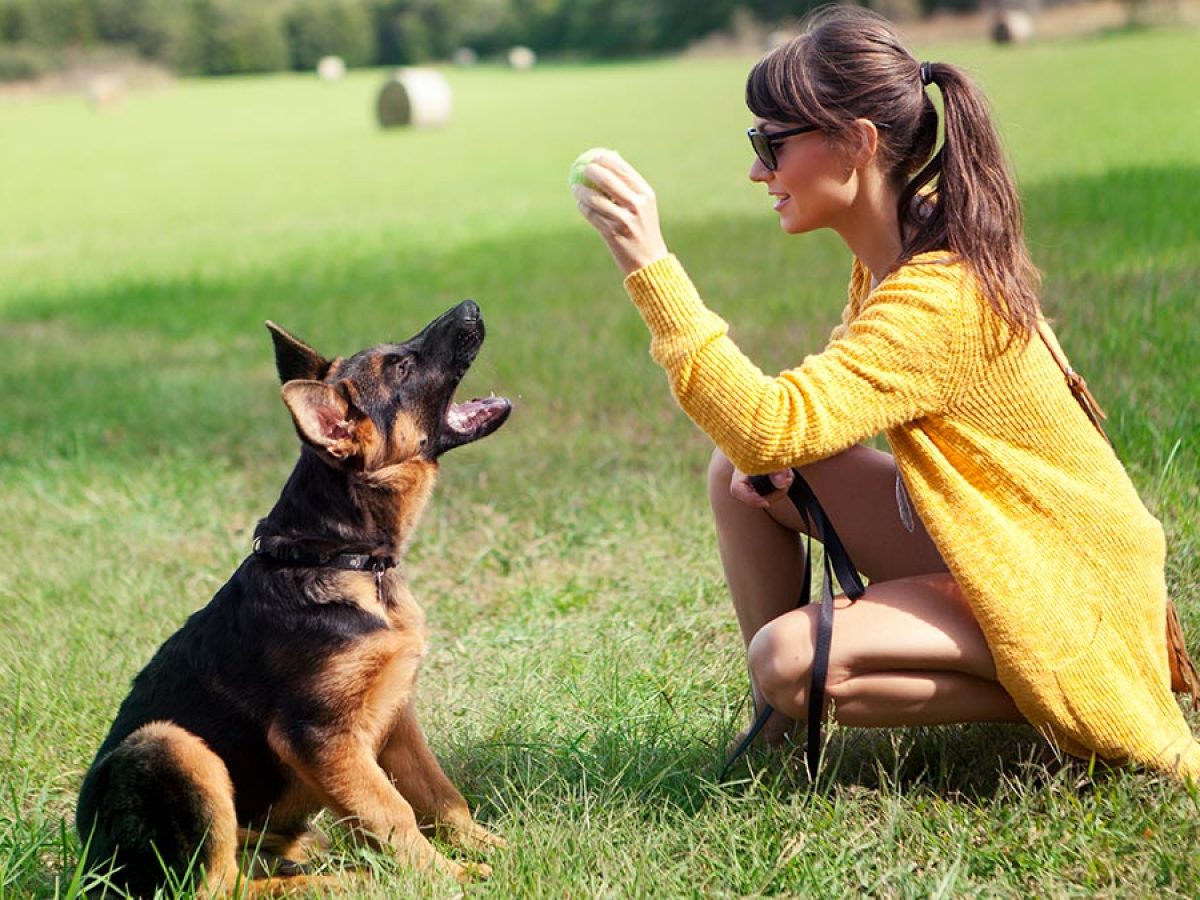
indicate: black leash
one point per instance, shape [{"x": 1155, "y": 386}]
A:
[{"x": 837, "y": 564}]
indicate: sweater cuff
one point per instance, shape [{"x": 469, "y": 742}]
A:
[{"x": 665, "y": 296}]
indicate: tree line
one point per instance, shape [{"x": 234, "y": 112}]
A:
[{"x": 223, "y": 37}]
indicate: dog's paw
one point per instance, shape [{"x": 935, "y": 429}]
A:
[
  {"x": 475, "y": 837},
  {"x": 466, "y": 872},
  {"x": 476, "y": 871}
]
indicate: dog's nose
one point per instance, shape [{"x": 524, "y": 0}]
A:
[{"x": 469, "y": 311}]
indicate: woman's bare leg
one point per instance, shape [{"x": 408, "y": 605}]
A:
[
  {"x": 909, "y": 652},
  {"x": 764, "y": 564},
  {"x": 763, "y": 558}
]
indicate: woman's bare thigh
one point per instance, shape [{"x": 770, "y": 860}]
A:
[
  {"x": 857, "y": 489},
  {"x": 917, "y": 624}
]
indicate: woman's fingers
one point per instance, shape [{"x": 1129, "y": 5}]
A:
[
  {"x": 627, "y": 173},
  {"x": 744, "y": 492},
  {"x": 742, "y": 489},
  {"x": 610, "y": 182},
  {"x": 621, "y": 206},
  {"x": 599, "y": 210}
]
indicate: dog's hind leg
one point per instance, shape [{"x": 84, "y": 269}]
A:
[
  {"x": 161, "y": 801},
  {"x": 295, "y": 847}
]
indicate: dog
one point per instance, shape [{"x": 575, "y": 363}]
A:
[{"x": 292, "y": 690}]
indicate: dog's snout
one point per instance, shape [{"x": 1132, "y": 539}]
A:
[{"x": 469, "y": 312}]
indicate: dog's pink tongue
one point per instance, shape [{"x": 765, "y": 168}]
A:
[{"x": 469, "y": 416}]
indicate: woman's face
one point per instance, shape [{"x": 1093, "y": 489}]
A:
[{"x": 813, "y": 185}]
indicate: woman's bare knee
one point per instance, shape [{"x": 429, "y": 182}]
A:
[
  {"x": 720, "y": 474},
  {"x": 780, "y": 657},
  {"x": 726, "y": 505}
]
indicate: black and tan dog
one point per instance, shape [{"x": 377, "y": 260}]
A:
[{"x": 292, "y": 690}]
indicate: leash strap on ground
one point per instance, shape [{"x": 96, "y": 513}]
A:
[{"x": 837, "y": 563}]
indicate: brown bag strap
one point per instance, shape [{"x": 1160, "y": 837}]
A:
[{"x": 1075, "y": 382}]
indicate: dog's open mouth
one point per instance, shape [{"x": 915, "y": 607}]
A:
[{"x": 472, "y": 420}]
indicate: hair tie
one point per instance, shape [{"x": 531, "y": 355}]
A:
[{"x": 926, "y": 73}]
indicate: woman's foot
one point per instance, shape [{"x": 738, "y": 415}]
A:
[{"x": 776, "y": 734}]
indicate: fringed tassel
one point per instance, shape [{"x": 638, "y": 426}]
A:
[
  {"x": 1184, "y": 678},
  {"x": 1093, "y": 409}
]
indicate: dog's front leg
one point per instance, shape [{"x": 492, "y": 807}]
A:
[
  {"x": 418, "y": 775},
  {"x": 343, "y": 771}
]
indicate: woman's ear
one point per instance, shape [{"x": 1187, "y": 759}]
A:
[{"x": 861, "y": 143}]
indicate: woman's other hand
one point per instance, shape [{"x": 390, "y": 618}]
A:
[
  {"x": 620, "y": 204},
  {"x": 743, "y": 491}
]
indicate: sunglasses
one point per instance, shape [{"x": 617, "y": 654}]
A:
[{"x": 764, "y": 142}]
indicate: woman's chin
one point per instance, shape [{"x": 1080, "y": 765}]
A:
[{"x": 790, "y": 226}]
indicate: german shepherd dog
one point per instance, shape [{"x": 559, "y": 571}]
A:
[{"x": 292, "y": 690}]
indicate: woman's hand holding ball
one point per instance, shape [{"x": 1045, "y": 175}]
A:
[{"x": 620, "y": 205}]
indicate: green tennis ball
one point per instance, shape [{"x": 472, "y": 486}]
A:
[{"x": 576, "y": 175}]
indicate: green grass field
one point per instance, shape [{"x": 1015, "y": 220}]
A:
[{"x": 585, "y": 671}]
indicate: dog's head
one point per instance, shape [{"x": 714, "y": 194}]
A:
[{"x": 391, "y": 403}]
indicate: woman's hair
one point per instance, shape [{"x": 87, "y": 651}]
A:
[{"x": 848, "y": 64}]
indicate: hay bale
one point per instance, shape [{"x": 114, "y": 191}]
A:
[
  {"x": 417, "y": 97},
  {"x": 331, "y": 68},
  {"x": 522, "y": 58},
  {"x": 465, "y": 57},
  {"x": 1013, "y": 26},
  {"x": 105, "y": 91},
  {"x": 777, "y": 38}
]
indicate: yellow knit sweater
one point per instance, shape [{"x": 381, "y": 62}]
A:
[{"x": 1027, "y": 503}]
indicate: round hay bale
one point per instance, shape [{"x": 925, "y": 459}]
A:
[
  {"x": 417, "y": 97},
  {"x": 777, "y": 38},
  {"x": 465, "y": 57},
  {"x": 522, "y": 58},
  {"x": 1013, "y": 26},
  {"x": 331, "y": 68},
  {"x": 105, "y": 91}
]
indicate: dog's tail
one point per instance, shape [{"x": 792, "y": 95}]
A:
[{"x": 158, "y": 809}]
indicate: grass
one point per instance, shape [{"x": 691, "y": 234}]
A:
[{"x": 585, "y": 671}]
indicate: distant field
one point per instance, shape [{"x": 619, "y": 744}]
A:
[{"x": 585, "y": 670}]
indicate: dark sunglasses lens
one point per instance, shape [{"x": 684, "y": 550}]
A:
[{"x": 763, "y": 149}]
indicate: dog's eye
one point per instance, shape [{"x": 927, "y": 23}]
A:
[{"x": 397, "y": 366}]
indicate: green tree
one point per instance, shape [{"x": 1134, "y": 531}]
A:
[
  {"x": 48, "y": 23},
  {"x": 317, "y": 28},
  {"x": 154, "y": 28},
  {"x": 226, "y": 37}
]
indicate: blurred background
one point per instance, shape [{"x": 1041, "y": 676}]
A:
[
  {"x": 75, "y": 42},
  {"x": 174, "y": 172}
]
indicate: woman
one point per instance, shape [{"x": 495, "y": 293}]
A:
[{"x": 1014, "y": 573}]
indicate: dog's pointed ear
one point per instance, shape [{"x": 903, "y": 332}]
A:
[
  {"x": 324, "y": 417},
  {"x": 294, "y": 359}
]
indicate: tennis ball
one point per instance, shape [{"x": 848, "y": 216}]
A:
[{"x": 576, "y": 175}]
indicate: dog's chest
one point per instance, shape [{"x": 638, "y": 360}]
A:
[
  {"x": 390, "y": 661},
  {"x": 385, "y": 681},
  {"x": 401, "y": 610}
]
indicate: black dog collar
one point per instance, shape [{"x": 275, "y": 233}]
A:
[{"x": 294, "y": 556}]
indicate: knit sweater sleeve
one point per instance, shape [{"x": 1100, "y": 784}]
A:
[{"x": 898, "y": 360}]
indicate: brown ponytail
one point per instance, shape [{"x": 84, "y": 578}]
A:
[{"x": 848, "y": 64}]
